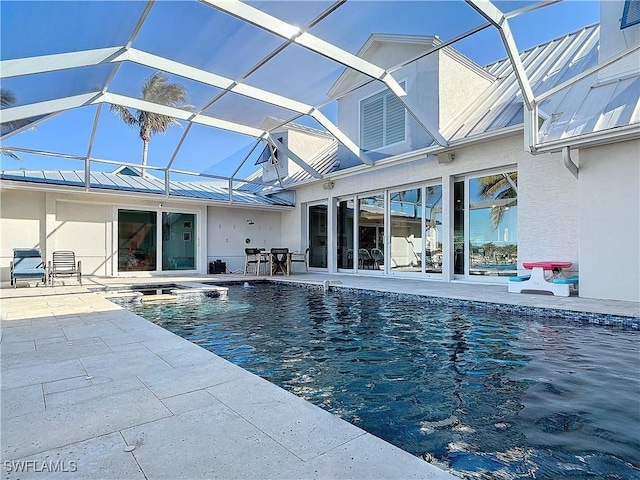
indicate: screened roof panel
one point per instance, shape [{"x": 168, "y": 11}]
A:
[
  {"x": 247, "y": 111},
  {"x": 41, "y": 87},
  {"x": 30, "y": 29},
  {"x": 283, "y": 75},
  {"x": 46, "y": 135},
  {"x": 353, "y": 23},
  {"x": 212, "y": 151},
  {"x": 130, "y": 78},
  {"x": 295, "y": 13},
  {"x": 205, "y": 38}
]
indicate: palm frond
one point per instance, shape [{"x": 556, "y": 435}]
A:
[
  {"x": 7, "y": 97},
  {"x": 124, "y": 114}
]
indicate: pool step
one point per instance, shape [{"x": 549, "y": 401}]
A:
[{"x": 163, "y": 297}]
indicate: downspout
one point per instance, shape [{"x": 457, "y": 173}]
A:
[{"x": 566, "y": 158}]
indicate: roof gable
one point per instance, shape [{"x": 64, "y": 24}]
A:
[{"x": 385, "y": 51}]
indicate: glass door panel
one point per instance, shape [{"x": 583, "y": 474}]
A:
[
  {"x": 493, "y": 227},
  {"x": 405, "y": 230},
  {"x": 345, "y": 252},
  {"x": 433, "y": 230},
  {"x": 458, "y": 227},
  {"x": 370, "y": 231},
  {"x": 318, "y": 236},
  {"x": 137, "y": 241},
  {"x": 178, "y": 241}
]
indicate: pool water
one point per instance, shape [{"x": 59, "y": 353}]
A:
[{"x": 475, "y": 391}]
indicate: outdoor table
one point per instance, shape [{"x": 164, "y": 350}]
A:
[{"x": 537, "y": 281}]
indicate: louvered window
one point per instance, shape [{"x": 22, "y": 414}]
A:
[
  {"x": 382, "y": 120},
  {"x": 631, "y": 13}
]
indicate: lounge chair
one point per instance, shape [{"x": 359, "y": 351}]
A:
[
  {"x": 64, "y": 265},
  {"x": 27, "y": 264}
]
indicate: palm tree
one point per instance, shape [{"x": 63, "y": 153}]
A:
[
  {"x": 7, "y": 99},
  {"x": 155, "y": 89},
  {"x": 498, "y": 187}
]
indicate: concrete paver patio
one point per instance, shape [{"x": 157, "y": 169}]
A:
[{"x": 108, "y": 394}]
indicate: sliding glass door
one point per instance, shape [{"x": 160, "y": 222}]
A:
[
  {"x": 345, "y": 254},
  {"x": 138, "y": 246},
  {"x": 178, "y": 241},
  {"x": 137, "y": 240},
  {"x": 416, "y": 234},
  {"x": 486, "y": 225},
  {"x": 318, "y": 236},
  {"x": 405, "y": 235}
]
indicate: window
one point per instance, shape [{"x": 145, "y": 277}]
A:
[{"x": 382, "y": 120}]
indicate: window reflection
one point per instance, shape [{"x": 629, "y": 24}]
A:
[
  {"x": 371, "y": 232},
  {"x": 493, "y": 224}
]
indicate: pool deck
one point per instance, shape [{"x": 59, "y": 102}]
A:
[{"x": 91, "y": 387}]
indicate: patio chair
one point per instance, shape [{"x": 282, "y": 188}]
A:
[
  {"x": 64, "y": 265},
  {"x": 300, "y": 258},
  {"x": 280, "y": 260},
  {"x": 364, "y": 258},
  {"x": 27, "y": 264},
  {"x": 252, "y": 258},
  {"x": 378, "y": 258}
]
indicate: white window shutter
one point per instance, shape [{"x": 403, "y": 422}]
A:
[
  {"x": 372, "y": 123},
  {"x": 395, "y": 124}
]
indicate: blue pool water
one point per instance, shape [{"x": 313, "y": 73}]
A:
[{"x": 481, "y": 393}]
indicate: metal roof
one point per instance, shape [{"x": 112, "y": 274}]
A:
[{"x": 130, "y": 183}]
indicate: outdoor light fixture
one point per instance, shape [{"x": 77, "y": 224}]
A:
[{"x": 328, "y": 185}]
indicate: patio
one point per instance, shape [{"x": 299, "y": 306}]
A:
[{"x": 88, "y": 386}]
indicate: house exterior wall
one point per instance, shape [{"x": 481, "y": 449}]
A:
[
  {"x": 81, "y": 222},
  {"x": 229, "y": 228},
  {"x": 22, "y": 217},
  {"x": 548, "y": 211},
  {"x": 609, "y": 196}
]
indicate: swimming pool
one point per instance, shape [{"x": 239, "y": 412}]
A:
[{"x": 482, "y": 393}]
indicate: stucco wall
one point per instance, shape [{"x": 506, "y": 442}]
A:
[
  {"x": 81, "y": 222},
  {"x": 84, "y": 229},
  {"x": 22, "y": 218},
  {"x": 609, "y": 197},
  {"x": 458, "y": 84},
  {"x": 229, "y": 228},
  {"x": 548, "y": 211}
]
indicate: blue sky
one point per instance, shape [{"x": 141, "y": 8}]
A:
[{"x": 200, "y": 36}]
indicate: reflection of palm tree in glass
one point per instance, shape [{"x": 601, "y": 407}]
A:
[
  {"x": 155, "y": 89},
  {"x": 499, "y": 187},
  {"x": 8, "y": 99}
]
